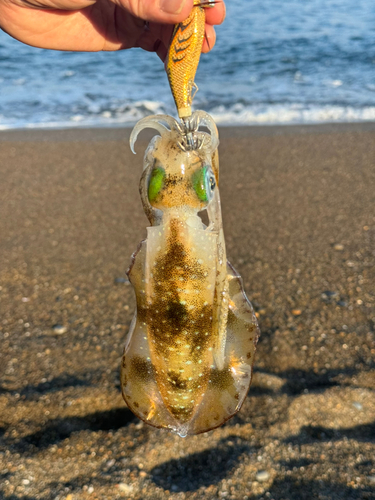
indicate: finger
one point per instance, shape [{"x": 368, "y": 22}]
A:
[
  {"x": 160, "y": 11},
  {"x": 162, "y": 51},
  {"x": 54, "y": 4},
  {"x": 216, "y": 14},
  {"x": 209, "y": 39}
]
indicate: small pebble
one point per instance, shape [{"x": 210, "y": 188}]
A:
[
  {"x": 296, "y": 312},
  {"x": 90, "y": 490},
  {"x": 25, "y": 481},
  {"x": 342, "y": 303},
  {"x": 357, "y": 405},
  {"x": 371, "y": 479},
  {"x": 339, "y": 247},
  {"x": 59, "y": 329},
  {"x": 262, "y": 476},
  {"x": 125, "y": 488},
  {"x": 327, "y": 295},
  {"x": 120, "y": 280}
]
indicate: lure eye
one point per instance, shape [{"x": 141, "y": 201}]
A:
[
  {"x": 204, "y": 183},
  {"x": 155, "y": 183}
]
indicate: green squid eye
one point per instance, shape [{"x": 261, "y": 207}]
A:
[
  {"x": 156, "y": 183},
  {"x": 203, "y": 183}
]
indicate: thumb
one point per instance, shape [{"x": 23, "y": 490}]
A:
[{"x": 160, "y": 11}]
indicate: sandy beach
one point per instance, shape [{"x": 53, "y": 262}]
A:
[{"x": 299, "y": 218}]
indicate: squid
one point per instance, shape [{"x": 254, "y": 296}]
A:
[{"x": 189, "y": 352}]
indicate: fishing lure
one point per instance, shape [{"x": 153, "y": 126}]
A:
[
  {"x": 188, "y": 358},
  {"x": 183, "y": 57}
]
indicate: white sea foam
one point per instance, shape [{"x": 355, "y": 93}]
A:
[
  {"x": 237, "y": 114},
  {"x": 289, "y": 114}
]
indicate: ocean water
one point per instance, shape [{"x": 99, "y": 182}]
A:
[{"x": 298, "y": 61}]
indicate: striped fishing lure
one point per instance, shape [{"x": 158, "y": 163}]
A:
[
  {"x": 188, "y": 357},
  {"x": 183, "y": 57}
]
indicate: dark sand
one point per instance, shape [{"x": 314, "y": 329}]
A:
[{"x": 299, "y": 215}]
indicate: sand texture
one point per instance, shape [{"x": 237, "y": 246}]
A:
[{"x": 299, "y": 218}]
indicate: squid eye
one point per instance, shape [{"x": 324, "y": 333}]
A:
[
  {"x": 155, "y": 183},
  {"x": 203, "y": 183}
]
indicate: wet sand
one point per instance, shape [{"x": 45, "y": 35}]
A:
[{"x": 298, "y": 207}]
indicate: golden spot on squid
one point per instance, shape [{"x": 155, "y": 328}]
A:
[
  {"x": 140, "y": 368},
  {"x": 221, "y": 378}
]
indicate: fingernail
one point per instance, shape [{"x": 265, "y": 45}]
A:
[{"x": 172, "y": 6}]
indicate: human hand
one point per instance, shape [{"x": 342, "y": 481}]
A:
[{"x": 95, "y": 25}]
